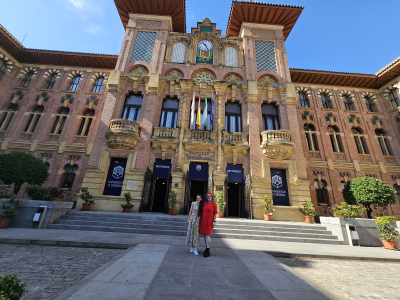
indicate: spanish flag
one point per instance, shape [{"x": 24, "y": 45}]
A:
[{"x": 198, "y": 118}]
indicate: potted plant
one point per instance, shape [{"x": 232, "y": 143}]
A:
[
  {"x": 220, "y": 204},
  {"x": 387, "y": 233},
  {"x": 347, "y": 211},
  {"x": 308, "y": 211},
  {"x": 126, "y": 207},
  {"x": 87, "y": 198},
  {"x": 11, "y": 287},
  {"x": 56, "y": 194},
  {"x": 268, "y": 208},
  {"x": 8, "y": 211},
  {"x": 172, "y": 201}
]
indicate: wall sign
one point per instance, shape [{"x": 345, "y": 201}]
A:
[
  {"x": 280, "y": 193},
  {"x": 132, "y": 185},
  {"x": 198, "y": 171},
  {"x": 234, "y": 173},
  {"x": 196, "y": 155},
  {"x": 162, "y": 168},
  {"x": 115, "y": 177}
]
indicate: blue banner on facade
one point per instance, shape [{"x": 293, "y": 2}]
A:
[
  {"x": 115, "y": 177},
  {"x": 234, "y": 173},
  {"x": 162, "y": 168},
  {"x": 280, "y": 193},
  {"x": 198, "y": 171}
]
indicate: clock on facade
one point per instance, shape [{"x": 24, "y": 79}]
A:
[
  {"x": 205, "y": 45},
  {"x": 205, "y": 52}
]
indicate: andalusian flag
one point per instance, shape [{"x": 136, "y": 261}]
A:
[
  {"x": 198, "y": 119},
  {"x": 212, "y": 112},
  {"x": 204, "y": 121},
  {"x": 192, "y": 110}
]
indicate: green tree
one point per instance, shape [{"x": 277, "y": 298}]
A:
[
  {"x": 18, "y": 168},
  {"x": 367, "y": 191}
]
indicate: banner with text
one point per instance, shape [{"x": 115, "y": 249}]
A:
[
  {"x": 115, "y": 177},
  {"x": 280, "y": 193}
]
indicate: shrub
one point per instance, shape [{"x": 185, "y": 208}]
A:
[
  {"x": 220, "y": 201},
  {"x": 367, "y": 191},
  {"x": 307, "y": 209},
  {"x": 386, "y": 232},
  {"x": 348, "y": 211},
  {"x": 86, "y": 196},
  {"x": 268, "y": 205},
  {"x": 11, "y": 287},
  {"x": 9, "y": 208},
  {"x": 6, "y": 195},
  {"x": 18, "y": 168},
  {"x": 173, "y": 194},
  {"x": 128, "y": 199},
  {"x": 37, "y": 192},
  {"x": 55, "y": 192}
]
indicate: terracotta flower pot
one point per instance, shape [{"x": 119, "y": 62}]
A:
[
  {"x": 172, "y": 211},
  {"x": 267, "y": 217},
  {"x": 220, "y": 214},
  {"x": 86, "y": 206},
  {"x": 126, "y": 209},
  {"x": 308, "y": 219},
  {"x": 389, "y": 245},
  {"x": 4, "y": 222}
]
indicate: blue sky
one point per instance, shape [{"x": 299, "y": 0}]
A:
[{"x": 334, "y": 35}]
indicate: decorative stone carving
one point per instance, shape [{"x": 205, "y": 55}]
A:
[
  {"x": 263, "y": 33},
  {"x": 148, "y": 23},
  {"x": 123, "y": 134},
  {"x": 276, "y": 144}
]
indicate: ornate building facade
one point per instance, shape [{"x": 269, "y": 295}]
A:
[{"x": 128, "y": 122}]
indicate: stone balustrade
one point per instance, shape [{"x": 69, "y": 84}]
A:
[
  {"x": 122, "y": 134},
  {"x": 276, "y": 144},
  {"x": 163, "y": 132},
  {"x": 200, "y": 135},
  {"x": 235, "y": 138}
]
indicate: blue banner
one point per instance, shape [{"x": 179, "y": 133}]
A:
[
  {"x": 162, "y": 168},
  {"x": 234, "y": 173},
  {"x": 115, "y": 177},
  {"x": 280, "y": 193},
  {"x": 198, "y": 171}
]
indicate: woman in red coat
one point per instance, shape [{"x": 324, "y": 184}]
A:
[{"x": 207, "y": 223}]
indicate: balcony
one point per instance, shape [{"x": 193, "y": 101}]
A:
[
  {"x": 200, "y": 136},
  {"x": 235, "y": 139},
  {"x": 122, "y": 134},
  {"x": 167, "y": 134},
  {"x": 276, "y": 144}
]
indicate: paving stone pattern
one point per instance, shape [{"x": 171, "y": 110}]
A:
[
  {"x": 48, "y": 271},
  {"x": 350, "y": 279}
]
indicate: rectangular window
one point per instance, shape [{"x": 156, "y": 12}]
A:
[
  {"x": 322, "y": 196},
  {"x": 265, "y": 56},
  {"x": 68, "y": 180}
]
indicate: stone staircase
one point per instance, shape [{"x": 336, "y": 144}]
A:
[{"x": 161, "y": 224}]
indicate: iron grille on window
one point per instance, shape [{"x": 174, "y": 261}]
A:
[
  {"x": 50, "y": 82},
  {"x": 303, "y": 99},
  {"x": 27, "y": 79},
  {"x": 326, "y": 101},
  {"x": 370, "y": 104},
  {"x": 349, "y": 104},
  {"x": 394, "y": 95},
  {"x": 73, "y": 86},
  {"x": 98, "y": 85},
  {"x": 3, "y": 67}
]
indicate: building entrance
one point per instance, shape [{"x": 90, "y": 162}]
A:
[
  {"x": 197, "y": 187},
  {"x": 235, "y": 200},
  {"x": 160, "y": 195}
]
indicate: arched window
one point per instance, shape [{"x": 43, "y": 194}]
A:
[
  {"x": 3, "y": 67},
  {"x": 133, "y": 105},
  {"x": 270, "y": 117},
  {"x": 27, "y": 79},
  {"x": 34, "y": 117},
  {"x": 59, "y": 123},
  {"x": 311, "y": 137},
  {"x": 233, "y": 117},
  {"x": 73, "y": 86},
  {"x": 178, "y": 53},
  {"x": 7, "y": 116},
  {"x": 86, "y": 121},
  {"x": 231, "y": 57},
  {"x": 326, "y": 101},
  {"x": 360, "y": 140},
  {"x": 336, "y": 140},
  {"x": 303, "y": 99},
  {"x": 98, "y": 85},
  {"x": 370, "y": 104},
  {"x": 322, "y": 192},
  {"x": 397, "y": 190},
  {"x": 348, "y": 102},
  {"x": 384, "y": 143},
  {"x": 169, "y": 114},
  {"x": 394, "y": 96},
  {"x": 50, "y": 82},
  {"x": 69, "y": 176}
]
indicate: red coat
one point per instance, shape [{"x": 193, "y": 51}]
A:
[{"x": 207, "y": 218}]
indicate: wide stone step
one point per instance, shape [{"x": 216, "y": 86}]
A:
[{"x": 273, "y": 228}]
